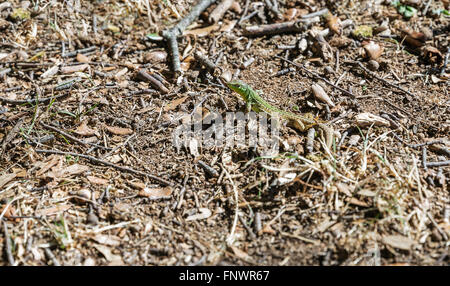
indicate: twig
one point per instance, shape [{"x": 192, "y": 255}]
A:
[
  {"x": 310, "y": 140},
  {"x": 438, "y": 164},
  {"x": 315, "y": 14},
  {"x": 51, "y": 256},
  {"x": 447, "y": 56},
  {"x": 72, "y": 137},
  {"x": 106, "y": 163},
  {"x": 80, "y": 51},
  {"x": 316, "y": 75},
  {"x": 8, "y": 248},
  {"x": 230, "y": 238},
  {"x": 258, "y": 224},
  {"x": 142, "y": 74},
  {"x": 247, "y": 3},
  {"x": 425, "y": 10},
  {"x": 40, "y": 100},
  {"x": 118, "y": 146},
  {"x": 247, "y": 228},
  {"x": 210, "y": 66},
  {"x": 220, "y": 10},
  {"x": 277, "y": 28},
  {"x": 171, "y": 35},
  {"x": 379, "y": 78},
  {"x": 424, "y": 157},
  {"x": 273, "y": 8},
  {"x": 210, "y": 170}
]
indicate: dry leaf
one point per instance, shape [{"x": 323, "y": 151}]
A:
[
  {"x": 106, "y": 252},
  {"x": 107, "y": 239},
  {"x": 75, "y": 169},
  {"x": 6, "y": 178},
  {"x": 52, "y": 211},
  {"x": 320, "y": 94},
  {"x": 155, "y": 57},
  {"x": 204, "y": 213},
  {"x": 137, "y": 185},
  {"x": 373, "y": 49},
  {"x": 11, "y": 211},
  {"x": 82, "y": 58},
  {"x": 333, "y": 23},
  {"x": 156, "y": 193},
  {"x": 291, "y": 14},
  {"x": 239, "y": 253},
  {"x": 367, "y": 119},
  {"x": 175, "y": 103},
  {"x": 49, "y": 164},
  {"x": 50, "y": 72},
  {"x": 228, "y": 26},
  {"x": 84, "y": 130},
  {"x": 356, "y": 202},
  {"x": 399, "y": 241},
  {"x": 119, "y": 130},
  {"x": 72, "y": 69},
  {"x": 97, "y": 180},
  {"x": 202, "y": 32}
]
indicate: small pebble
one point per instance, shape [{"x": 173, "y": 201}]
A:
[{"x": 373, "y": 65}]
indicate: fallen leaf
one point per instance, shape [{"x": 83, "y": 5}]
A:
[
  {"x": 75, "y": 169},
  {"x": 204, "y": 213},
  {"x": 50, "y": 72},
  {"x": 49, "y": 164},
  {"x": 121, "y": 73},
  {"x": 107, "y": 239},
  {"x": 240, "y": 253},
  {"x": 97, "y": 180},
  {"x": 107, "y": 253},
  {"x": 373, "y": 50},
  {"x": 137, "y": 185},
  {"x": 113, "y": 28},
  {"x": 85, "y": 130},
  {"x": 357, "y": 202},
  {"x": 52, "y": 211},
  {"x": 320, "y": 94},
  {"x": 156, "y": 193},
  {"x": 175, "y": 103},
  {"x": 11, "y": 211},
  {"x": 72, "y": 69},
  {"x": 399, "y": 241},
  {"x": 82, "y": 58},
  {"x": 291, "y": 14},
  {"x": 119, "y": 130},
  {"x": 155, "y": 57},
  {"x": 202, "y": 32},
  {"x": 6, "y": 178},
  {"x": 333, "y": 23},
  {"x": 367, "y": 119},
  {"x": 228, "y": 26}
]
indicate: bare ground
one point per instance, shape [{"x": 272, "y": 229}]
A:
[{"x": 369, "y": 200}]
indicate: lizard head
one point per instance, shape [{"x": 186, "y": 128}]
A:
[{"x": 240, "y": 87}]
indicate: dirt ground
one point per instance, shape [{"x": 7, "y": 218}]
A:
[{"x": 89, "y": 174}]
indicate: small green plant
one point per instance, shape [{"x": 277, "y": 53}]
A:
[{"x": 405, "y": 10}]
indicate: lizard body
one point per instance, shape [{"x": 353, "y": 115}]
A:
[{"x": 257, "y": 103}]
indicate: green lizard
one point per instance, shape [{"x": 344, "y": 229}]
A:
[{"x": 257, "y": 103}]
